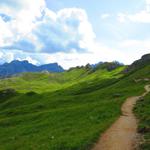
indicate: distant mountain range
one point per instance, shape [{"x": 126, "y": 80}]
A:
[{"x": 16, "y": 67}]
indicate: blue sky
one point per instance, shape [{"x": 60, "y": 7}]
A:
[{"x": 74, "y": 32}]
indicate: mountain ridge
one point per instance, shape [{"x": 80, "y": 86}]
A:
[
  {"x": 67, "y": 110},
  {"x": 16, "y": 67}
]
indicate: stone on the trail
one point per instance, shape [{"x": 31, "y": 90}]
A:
[
  {"x": 144, "y": 130},
  {"x": 141, "y": 98}
]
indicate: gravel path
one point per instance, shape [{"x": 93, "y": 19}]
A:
[{"x": 122, "y": 134}]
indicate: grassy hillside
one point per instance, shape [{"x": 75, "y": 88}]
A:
[
  {"x": 46, "y": 82},
  {"x": 142, "y": 110},
  {"x": 66, "y": 111}
]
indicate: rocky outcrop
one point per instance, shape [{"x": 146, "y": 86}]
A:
[
  {"x": 108, "y": 65},
  {"x": 145, "y": 60},
  {"x": 146, "y": 57}
]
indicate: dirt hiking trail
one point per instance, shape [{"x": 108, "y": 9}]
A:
[{"x": 122, "y": 135}]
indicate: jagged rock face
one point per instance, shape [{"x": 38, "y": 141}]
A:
[
  {"x": 109, "y": 65},
  {"x": 146, "y": 57},
  {"x": 16, "y": 67},
  {"x": 145, "y": 60}
]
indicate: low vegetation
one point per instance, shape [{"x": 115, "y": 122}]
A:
[
  {"x": 63, "y": 111},
  {"x": 142, "y": 110}
]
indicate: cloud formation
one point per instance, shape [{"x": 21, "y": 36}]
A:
[
  {"x": 31, "y": 31},
  {"x": 143, "y": 16},
  {"x": 35, "y": 28}
]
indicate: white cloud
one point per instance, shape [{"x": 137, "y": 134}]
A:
[
  {"x": 143, "y": 16},
  {"x": 6, "y": 57},
  {"x": 1, "y": 54},
  {"x": 140, "y": 17},
  {"x": 64, "y": 30},
  {"x": 98, "y": 53},
  {"x": 4, "y": 32},
  {"x": 35, "y": 28},
  {"x": 23, "y": 15},
  {"x": 40, "y": 35},
  {"x": 105, "y": 16},
  {"x": 29, "y": 59},
  {"x": 133, "y": 49},
  {"x": 121, "y": 17},
  {"x": 148, "y": 2},
  {"x": 65, "y": 36},
  {"x": 139, "y": 45},
  {"x": 26, "y": 9}
]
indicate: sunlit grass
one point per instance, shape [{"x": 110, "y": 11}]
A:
[{"x": 66, "y": 111}]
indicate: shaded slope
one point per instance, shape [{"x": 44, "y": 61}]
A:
[{"x": 64, "y": 118}]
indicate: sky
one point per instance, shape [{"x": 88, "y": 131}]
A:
[{"x": 74, "y": 32}]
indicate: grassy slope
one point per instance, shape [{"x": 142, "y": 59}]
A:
[
  {"x": 43, "y": 82},
  {"x": 142, "y": 110},
  {"x": 69, "y": 116}
]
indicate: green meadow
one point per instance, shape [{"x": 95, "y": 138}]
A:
[
  {"x": 64, "y": 111},
  {"x": 142, "y": 111}
]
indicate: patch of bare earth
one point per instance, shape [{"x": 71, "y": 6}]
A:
[{"x": 122, "y": 135}]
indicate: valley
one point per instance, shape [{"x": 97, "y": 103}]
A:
[{"x": 68, "y": 110}]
